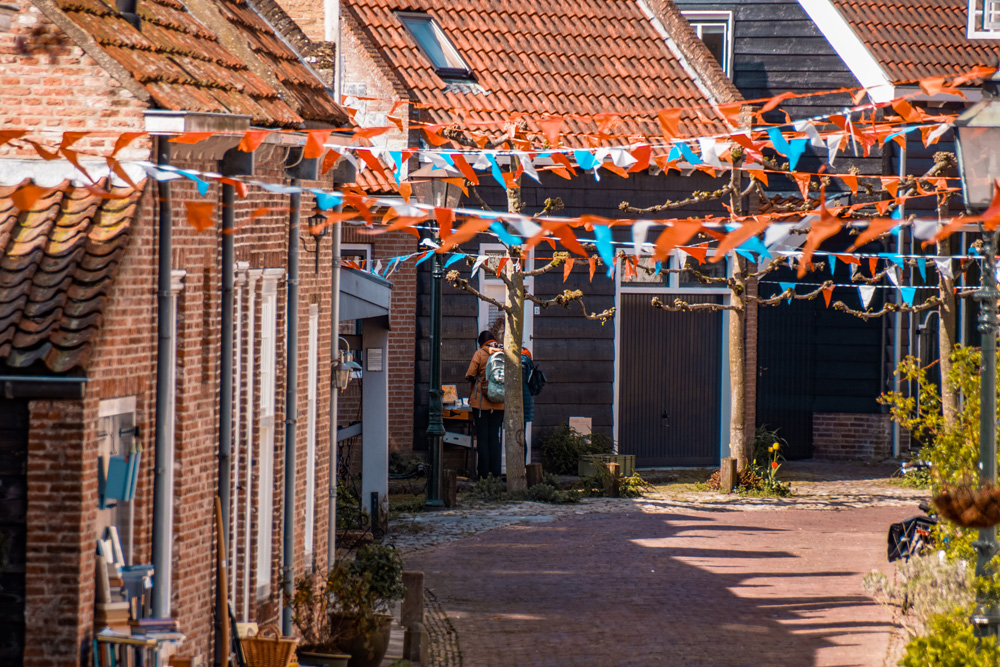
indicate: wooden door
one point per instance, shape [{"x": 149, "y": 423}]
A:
[{"x": 670, "y": 383}]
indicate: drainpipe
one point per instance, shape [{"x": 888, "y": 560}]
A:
[
  {"x": 331, "y": 529},
  {"x": 226, "y": 362},
  {"x": 897, "y": 326},
  {"x": 162, "y": 511},
  {"x": 291, "y": 405}
]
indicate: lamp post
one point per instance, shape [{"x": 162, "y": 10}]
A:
[
  {"x": 437, "y": 187},
  {"x": 978, "y": 131}
]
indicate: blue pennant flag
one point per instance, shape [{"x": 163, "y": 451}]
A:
[
  {"x": 792, "y": 150},
  {"x": 675, "y": 153},
  {"x": 755, "y": 245},
  {"x": 397, "y": 157},
  {"x": 922, "y": 265},
  {"x": 746, "y": 253},
  {"x": 785, "y": 287},
  {"x": 454, "y": 258},
  {"x": 832, "y": 259},
  {"x": 603, "y": 235},
  {"x": 201, "y": 184},
  {"x": 426, "y": 255},
  {"x": 908, "y": 293},
  {"x": 505, "y": 237},
  {"x": 585, "y": 160},
  {"x": 688, "y": 154},
  {"x": 495, "y": 170},
  {"x": 326, "y": 200},
  {"x": 893, "y": 257}
]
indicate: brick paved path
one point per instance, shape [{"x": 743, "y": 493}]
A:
[{"x": 670, "y": 581}]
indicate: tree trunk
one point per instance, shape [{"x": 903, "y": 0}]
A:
[
  {"x": 513, "y": 416},
  {"x": 946, "y": 327},
  {"x": 738, "y": 444}
]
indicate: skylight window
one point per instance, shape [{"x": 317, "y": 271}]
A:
[{"x": 436, "y": 46}]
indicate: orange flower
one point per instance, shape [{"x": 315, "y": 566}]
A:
[{"x": 774, "y": 464}]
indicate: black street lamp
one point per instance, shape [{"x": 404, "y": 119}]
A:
[
  {"x": 978, "y": 138},
  {"x": 430, "y": 187}
]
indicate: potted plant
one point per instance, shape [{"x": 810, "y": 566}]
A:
[
  {"x": 312, "y": 607},
  {"x": 348, "y": 610}
]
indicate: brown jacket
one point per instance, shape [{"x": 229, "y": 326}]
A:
[{"x": 477, "y": 376}]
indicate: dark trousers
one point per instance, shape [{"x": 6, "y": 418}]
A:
[{"x": 489, "y": 423}]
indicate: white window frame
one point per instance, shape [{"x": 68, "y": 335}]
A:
[
  {"x": 365, "y": 249},
  {"x": 311, "y": 391},
  {"x": 673, "y": 284},
  {"x": 268, "y": 369},
  {"x": 447, "y": 48},
  {"x": 699, "y": 19},
  {"x": 984, "y": 19}
]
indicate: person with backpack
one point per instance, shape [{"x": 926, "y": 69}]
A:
[
  {"x": 485, "y": 376},
  {"x": 527, "y": 398}
]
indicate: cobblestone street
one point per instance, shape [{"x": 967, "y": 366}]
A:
[{"x": 681, "y": 577}]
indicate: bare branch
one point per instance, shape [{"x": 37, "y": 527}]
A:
[
  {"x": 482, "y": 202},
  {"x": 552, "y": 204},
  {"x": 888, "y": 308},
  {"x": 557, "y": 259},
  {"x": 566, "y": 298},
  {"x": 695, "y": 198},
  {"x": 683, "y": 306},
  {"x": 463, "y": 284},
  {"x": 461, "y": 137},
  {"x": 788, "y": 294}
]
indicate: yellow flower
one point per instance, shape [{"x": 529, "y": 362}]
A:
[{"x": 776, "y": 446}]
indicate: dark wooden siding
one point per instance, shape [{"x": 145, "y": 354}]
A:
[
  {"x": 13, "y": 528},
  {"x": 671, "y": 376}
]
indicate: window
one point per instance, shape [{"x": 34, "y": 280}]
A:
[
  {"x": 311, "y": 382},
  {"x": 436, "y": 46},
  {"x": 984, "y": 19},
  {"x": 715, "y": 29},
  {"x": 268, "y": 363}
]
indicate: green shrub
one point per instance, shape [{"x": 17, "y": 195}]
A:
[
  {"x": 548, "y": 493},
  {"x": 633, "y": 486},
  {"x": 922, "y": 588},
  {"x": 491, "y": 489},
  {"x": 562, "y": 449},
  {"x": 951, "y": 642}
]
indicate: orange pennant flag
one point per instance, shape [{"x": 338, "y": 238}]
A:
[
  {"x": 502, "y": 263},
  {"x": 876, "y": 228},
  {"x": 315, "y": 144},
  {"x": 932, "y": 85},
  {"x": 642, "y": 155},
  {"x": 593, "y": 267},
  {"x": 10, "y": 135},
  {"x": 699, "y": 252},
  {"x": 873, "y": 265},
  {"x": 252, "y": 140},
  {"x": 568, "y": 240},
  {"x": 445, "y": 216},
  {"x": 239, "y": 186},
  {"x": 332, "y": 218},
  {"x": 42, "y": 152},
  {"x": 907, "y": 111},
  {"x": 191, "y": 137},
  {"x": 464, "y": 167},
  {"x": 458, "y": 183},
  {"x": 802, "y": 180},
  {"x": 775, "y": 101},
  {"x": 406, "y": 191},
  {"x": 199, "y": 214},
  {"x": 124, "y": 139},
  {"x": 731, "y": 112},
  {"x": 398, "y": 122},
  {"x": 822, "y": 229},
  {"x": 471, "y": 227},
  {"x": 329, "y": 160},
  {"x": 563, "y": 160},
  {"x": 510, "y": 180},
  {"x": 827, "y": 295},
  {"x": 26, "y": 196},
  {"x": 373, "y": 162},
  {"x": 70, "y": 138},
  {"x": 552, "y": 129},
  {"x": 760, "y": 175},
  {"x": 678, "y": 233},
  {"x": 852, "y": 182},
  {"x": 669, "y": 120},
  {"x": 847, "y": 259},
  {"x": 370, "y": 132},
  {"x": 891, "y": 184},
  {"x": 568, "y": 268},
  {"x": 70, "y": 155},
  {"x": 738, "y": 236},
  {"x": 433, "y": 138}
]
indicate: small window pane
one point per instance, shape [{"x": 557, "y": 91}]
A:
[
  {"x": 714, "y": 37},
  {"x": 433, "y": 42}
]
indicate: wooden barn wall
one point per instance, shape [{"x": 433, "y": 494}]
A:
[{"x": 577, "y": 354}]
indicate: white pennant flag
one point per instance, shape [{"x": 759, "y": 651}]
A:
[
  {"x": 639, "y": 231},
  {"x": 854, "y": 269},
  {"x": 893, "y": 273},
  {"x": 777, "y": 232},
  {"x": 810, "y": 131},
  {"x": 527, "y": 165},
  {"x": 832, "y": 147},
  {"x": 159, "y": 174},
  {"x": 481, "y": 162},
  {"x": 943, "y": 265},
  {"x": 524, "y": 226},
  {"x": 924, "y": 229},
  {"x": 867, "y": 292},
  {"x": 937, "y": 132},
  {"x": 622, "y": 158},
  {"x": 479, "y": 262},
  {"x": 710, "y": 150},
  {"x": 378, "y": 268}
]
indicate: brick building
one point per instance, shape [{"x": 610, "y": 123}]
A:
[{"x": 79, "y": 294}]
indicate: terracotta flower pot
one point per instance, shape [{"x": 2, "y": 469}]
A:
[{"x": 365, "y": 650}]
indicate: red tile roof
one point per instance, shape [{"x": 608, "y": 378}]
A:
[
  {"x": 912, "y": 39},
  {"x": 184, "y": 67},
  {"x": 57, "y": 263},
  {"x": 573, "y": 56}
]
